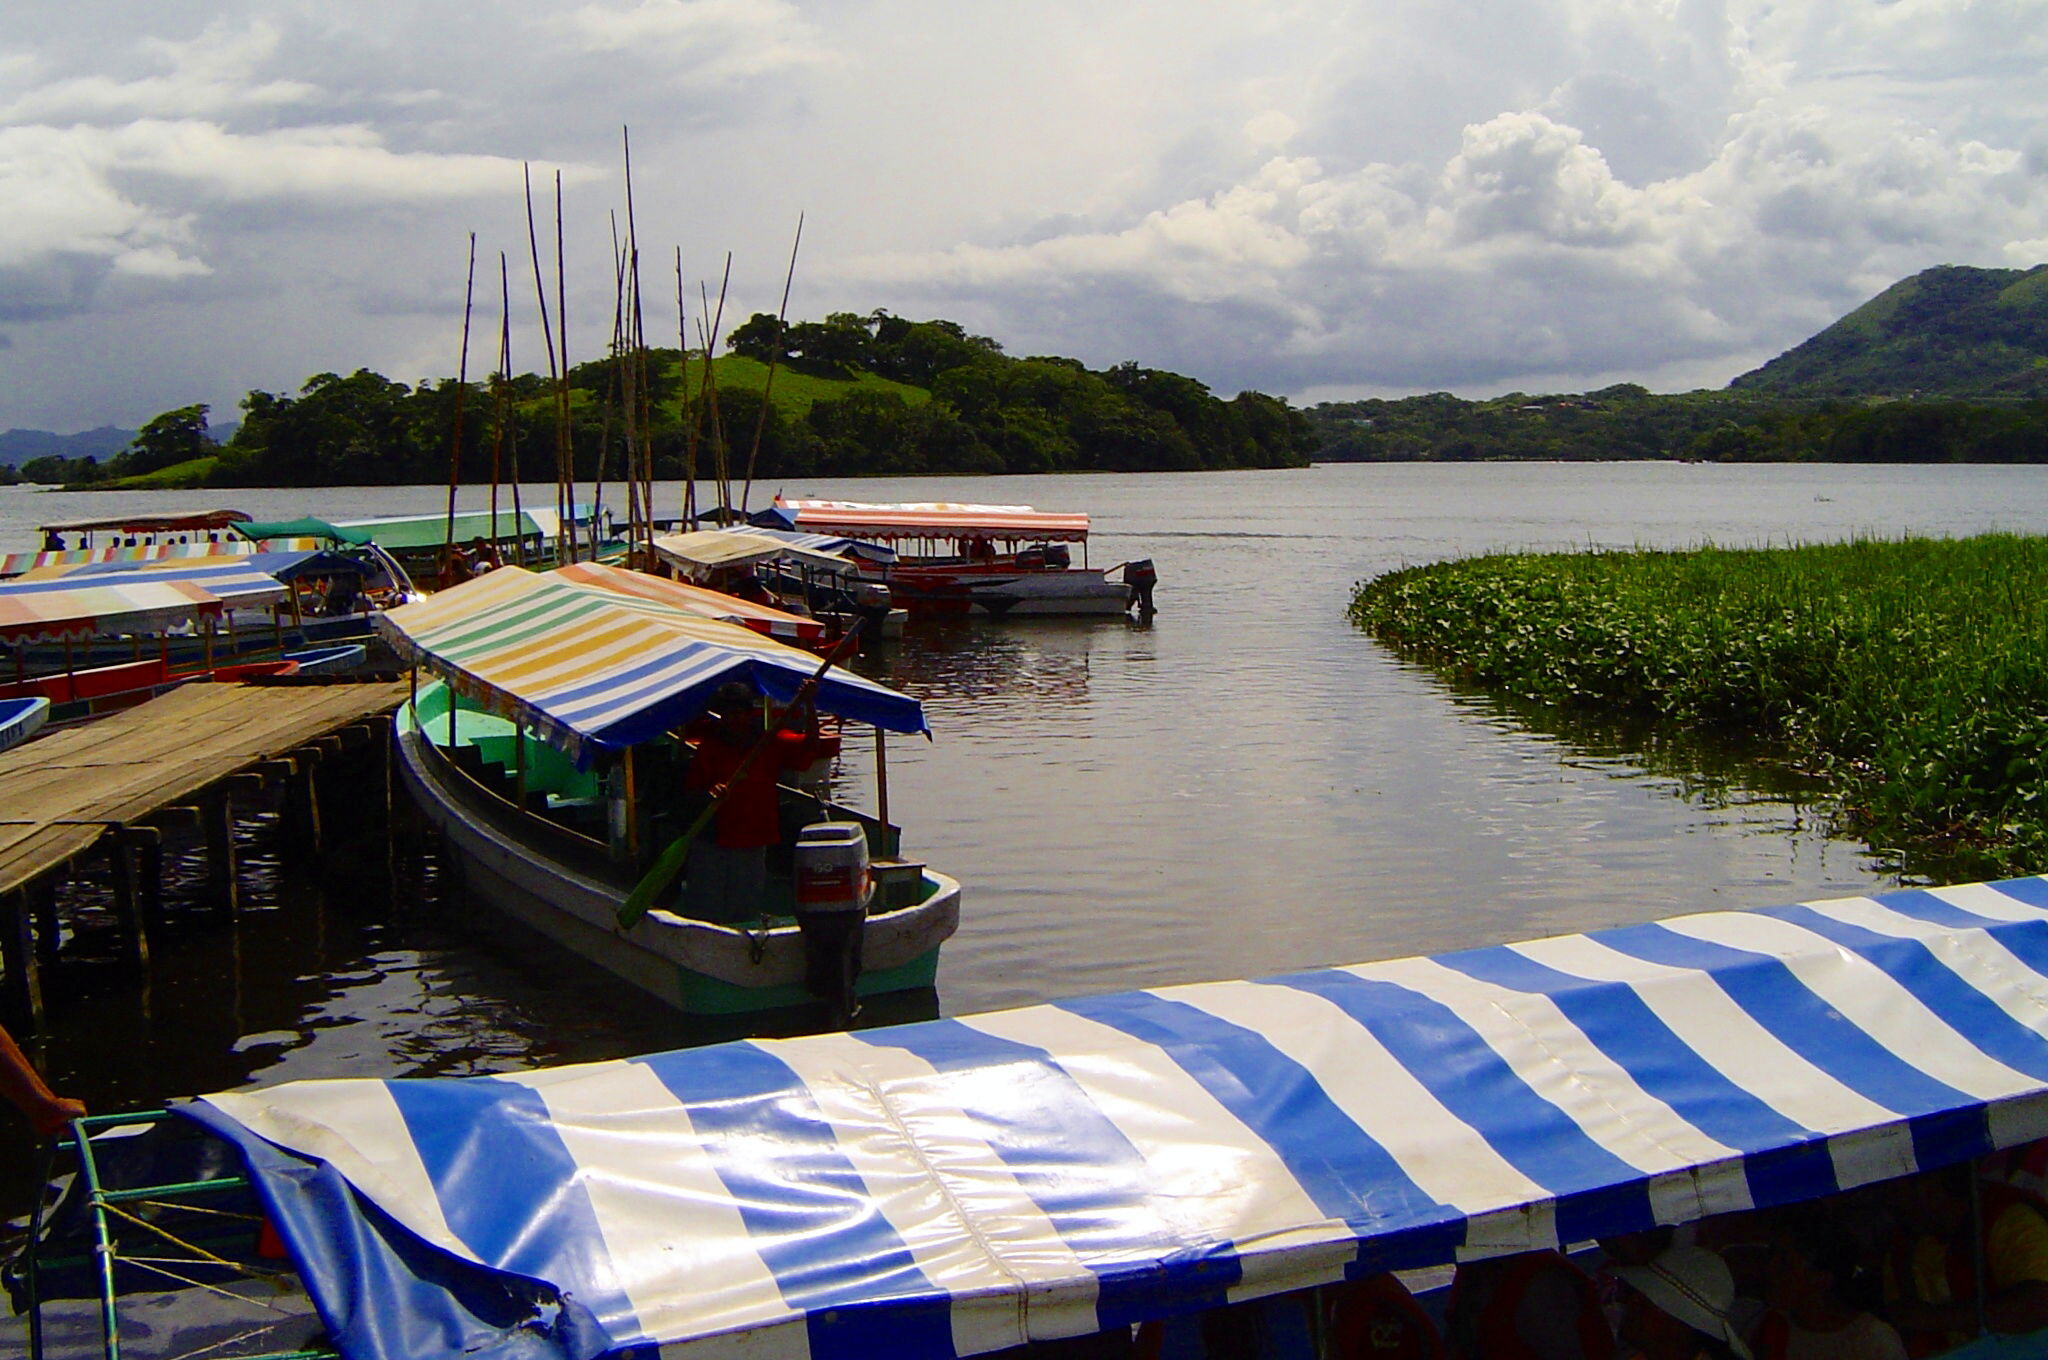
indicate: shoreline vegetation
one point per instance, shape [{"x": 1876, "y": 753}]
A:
[
  {"x": 874, "y": 395},
  {"x": 1909, "y": 676}
]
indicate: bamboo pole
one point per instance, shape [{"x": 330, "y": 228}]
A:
[
  {"x": 692, "y": 420},
  {"x": 461, "y": 390},
  {"x": 498, "y": 394},
  {"x": 566, "y": 449},
  {"x": 547, "y": 334},
  {"x": 768, "y": 387}
]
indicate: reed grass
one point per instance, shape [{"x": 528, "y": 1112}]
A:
[{"x": 1910, "y": 675}]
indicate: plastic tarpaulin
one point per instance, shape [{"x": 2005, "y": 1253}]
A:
[
  {"x": 931, "y": 519},
  {"x": 961, "y": 1185},
  {"x": 709, "y": 604},
  {"x": 304, "y": 527},
  {"x": 591, "y": 670},
  {"x": 702, "y": 551},
  {"x": 284, "y": 566},
  {"x": 49, "y": 611},
  {"x": 18, "y": 564},
  {"x": 833, "y": 544},
  {"x": 237, "y": 582}
]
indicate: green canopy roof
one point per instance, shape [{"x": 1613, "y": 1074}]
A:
[{"x": 306, "y": 527}]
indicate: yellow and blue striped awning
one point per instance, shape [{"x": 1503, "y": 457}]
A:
[{"x": 591, "y": 670}]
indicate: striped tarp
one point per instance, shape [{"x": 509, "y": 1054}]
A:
[
  {"x": 593, "y": 670},
  {"x": 834, "y": 545},
  {"x": 957, "y": 1186},
  {"x": 696, "y": 601},
  {"x": 17, "y": 564},
  {"x": 249, "y": 581},
  {"x": 49, "y": 611},
  {"x": 703, "y": 551},
  {"x": 932, "y": 519}
]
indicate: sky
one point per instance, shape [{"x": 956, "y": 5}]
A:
[{"x": 1318, "y": 199}]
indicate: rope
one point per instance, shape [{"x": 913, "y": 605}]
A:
[
  {"x": 150, "y": 1264},
  {"x": 198, "y": 1253}
]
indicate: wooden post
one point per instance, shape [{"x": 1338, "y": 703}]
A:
[
  {"x": 70, "y": 671},
  {"x": 302, "y": 801},
  {"x": 146, "y": 848},
  {"x": 218, "y": 812},
  {"x": 127, "y": 903},
  {"x": 42, "y": 905},
  {"x": 209, "y": 644},
  {"x": 882, "y": 776},
  {"x": 21, "y": 989}
]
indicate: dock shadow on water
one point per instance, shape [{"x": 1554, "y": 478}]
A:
[{"x": 345, "y": 966}]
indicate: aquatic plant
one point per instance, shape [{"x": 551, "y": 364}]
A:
[{"x": 1910, "y": 675}]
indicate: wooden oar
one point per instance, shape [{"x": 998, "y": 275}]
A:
[{"x": 671, "y": 861}]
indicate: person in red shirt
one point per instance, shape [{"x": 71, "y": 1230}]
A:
[{"x": 728, "y": 865}]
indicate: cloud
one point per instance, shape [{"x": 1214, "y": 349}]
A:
[
  {"x": 208, "y": 76},
  {"x": 718, "y": 40},
  {"x": 1523, "y": 254}
]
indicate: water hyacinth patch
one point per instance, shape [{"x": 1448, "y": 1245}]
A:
[{"x": 1912, "y": 675}]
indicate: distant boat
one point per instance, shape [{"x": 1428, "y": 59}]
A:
[{"x": 1008, "y": 561}]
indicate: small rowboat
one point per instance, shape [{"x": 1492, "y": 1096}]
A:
[{"x": 21, "y": 719}]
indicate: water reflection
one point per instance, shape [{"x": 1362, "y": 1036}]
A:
[{"x": 1246, "y": 787}]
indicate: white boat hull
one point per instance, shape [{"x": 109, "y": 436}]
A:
[{"x": 695, "y": 966}]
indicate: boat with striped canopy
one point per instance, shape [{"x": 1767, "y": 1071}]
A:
[
  {"x": 546, "y": 749},
  {"x": 764, "y": 619},
  {"x": 959, "y": 1186},
  {"x": 952, "y": 559}
]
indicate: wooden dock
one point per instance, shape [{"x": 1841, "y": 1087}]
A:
[{"x": 114, "y": 785}]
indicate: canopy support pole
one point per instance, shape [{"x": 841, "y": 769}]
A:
[
  {"x": 70, "y": 671},
  {"x": 632, "y": 809},
  {"x": 882, "y": 775},
  {"x": 519, "y": 759}
]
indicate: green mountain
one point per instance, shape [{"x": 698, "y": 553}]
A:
[{"x": 1950, "y": 331}]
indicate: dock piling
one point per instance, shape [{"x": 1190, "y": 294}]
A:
[
  {"x": 21, "y": 988},
  {"x": 127, "y": 899}
]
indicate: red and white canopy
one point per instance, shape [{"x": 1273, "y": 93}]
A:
[{"x": 933, "y": 519}]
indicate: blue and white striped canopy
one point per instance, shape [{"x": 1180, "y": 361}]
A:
[
  {"x": 958, "y": 1186},
  {"x": 593, "y": 669}
]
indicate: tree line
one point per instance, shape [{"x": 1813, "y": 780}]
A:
[
  {"x": 1626, "y": 421},
  {"x": 882, "y": 395}
]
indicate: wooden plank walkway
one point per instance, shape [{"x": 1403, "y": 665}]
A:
[{"x": 59, "y": 795}]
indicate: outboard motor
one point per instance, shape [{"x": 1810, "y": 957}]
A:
[
  {"x": 871, "y": 600},
  {"x": 1139, "y": 578},
  {"x": 833, "y": 888}
]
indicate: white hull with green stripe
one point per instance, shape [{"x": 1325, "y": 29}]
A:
[{"x": 530, "y": 864}]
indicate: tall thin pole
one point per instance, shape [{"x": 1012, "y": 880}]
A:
[
  {"x": 566, "y": 450},
  {"x": 547, "y": 334},
  {"x": 512, "y": 447},
  {"x": 692, "y": 420},
  {"x": 461, "y": 390},
  {"x": 498, "y": 405},
  {"x": 768, "y": 387}
]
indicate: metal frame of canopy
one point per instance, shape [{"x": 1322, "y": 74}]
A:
[{"x": 114, "y": 1226}]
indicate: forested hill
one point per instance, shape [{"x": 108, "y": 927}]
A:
[
  {"x": 1951, "y": 331},
  {"x": 1949, "y": 366},
  {"x": 851, "y": 396}
]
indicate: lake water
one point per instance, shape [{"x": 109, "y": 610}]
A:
[{"x": 1246, "y": 786}]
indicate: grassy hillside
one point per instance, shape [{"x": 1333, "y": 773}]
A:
[
  {"x": 1949, "y": 331},
  {"x": 795, "y": 391}
]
